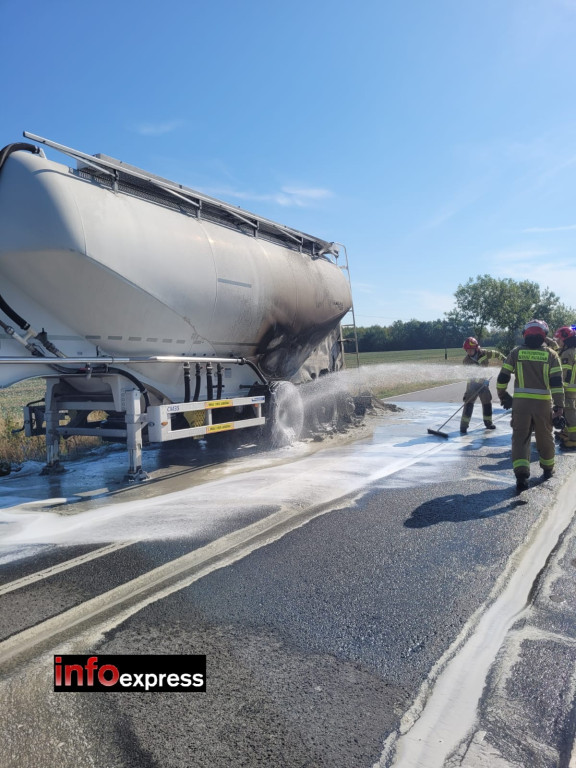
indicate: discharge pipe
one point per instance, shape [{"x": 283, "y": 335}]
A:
[{"x": 23, "y": 340}]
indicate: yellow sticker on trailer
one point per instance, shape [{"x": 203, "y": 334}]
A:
[
  {"x": 220, "y": 427},
  {"x": 218, "y": 404}
]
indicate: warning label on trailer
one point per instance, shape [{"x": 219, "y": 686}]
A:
[{"x": 220, "y": 427}]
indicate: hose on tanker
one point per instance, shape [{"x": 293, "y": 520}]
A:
[
  {"x": 17, "y": 147},
  {"x": 30, "y": 347},
  {"x": 254, "y": 367},
  {"x": 219, "y": 385},
  {"x": 14, "y": 316},
  {"x": 186, "y": 368},
  {"x": 134, "y": 380},
  {"x": 209, "y": 383},
  {"x": 198, "y": 383},
  {"x": 42, "y": 337}
]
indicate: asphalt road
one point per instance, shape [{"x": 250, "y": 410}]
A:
[{"x": 333, "y": 595}]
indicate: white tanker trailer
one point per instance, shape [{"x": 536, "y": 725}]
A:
[{"x": 177, "y": 314}]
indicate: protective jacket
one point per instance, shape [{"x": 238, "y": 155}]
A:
[
  {"x": 477, "y": 388},
  {"x": 537, "y": 372},
  {"x": 552, "y": 343},
  {"x": 568, "y": 360},
  {"x": 538, "y": 383},
  {"x": 482, "y": 357}
]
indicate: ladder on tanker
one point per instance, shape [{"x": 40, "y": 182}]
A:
[{"x": 347, "y": 326}]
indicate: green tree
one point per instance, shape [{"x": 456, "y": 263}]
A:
[
  {"x": 506, "y": 305},
  {"x": 476, "y": 304},
  {"x": 516, "y": 302},
  {"x": 550, "y": 309}
]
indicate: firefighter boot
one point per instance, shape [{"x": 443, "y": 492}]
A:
[
  {"x": 522, "y": 482},
  {"x": 487, "y": 415}
]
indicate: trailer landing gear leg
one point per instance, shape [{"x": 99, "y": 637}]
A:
[
  {"x": 135, "y": 472},
  {"x": 52, "y": 416}
]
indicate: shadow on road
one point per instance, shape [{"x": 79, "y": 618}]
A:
[{"x": 460, "y": 508}]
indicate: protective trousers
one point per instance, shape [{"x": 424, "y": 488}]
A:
[
  {"x": 474, "y": 390},
  {"x": 568, "y": 435},
  {"x": 528, "y": 415}
]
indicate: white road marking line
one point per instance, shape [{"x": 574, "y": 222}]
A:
[{"x": 46, "y": 573}]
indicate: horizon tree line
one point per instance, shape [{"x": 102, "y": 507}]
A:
[{"x": 492, "y": 310}]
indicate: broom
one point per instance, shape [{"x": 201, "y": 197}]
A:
[{"x": 471, "y": 397}]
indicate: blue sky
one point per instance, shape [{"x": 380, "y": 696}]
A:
[{"x": 436, "y": 139}]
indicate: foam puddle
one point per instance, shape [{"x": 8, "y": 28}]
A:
[{"x": 229, "y": 501}]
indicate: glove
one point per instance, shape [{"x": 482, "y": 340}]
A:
[
  {"x": 506, "y": 400},
  {"x": 558, "y": 422}
]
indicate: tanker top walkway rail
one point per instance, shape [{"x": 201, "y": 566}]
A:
[{"x": 122, "y": 177}]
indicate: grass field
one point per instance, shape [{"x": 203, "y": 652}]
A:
[
  {"x": 15, "y": 447},
  {"x": 422, "y": 356},
  {"x": 448, "y": 356}
]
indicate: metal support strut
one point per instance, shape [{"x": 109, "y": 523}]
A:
[
  {"x": 52, "y": 416},
  {"x": 134, "y": 424}
]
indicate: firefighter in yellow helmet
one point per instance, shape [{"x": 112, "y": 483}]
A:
[
  {"x": 476, "y": 355},
  {"x": 537, "y": 383},
  {"x": 567, "y": 338}
]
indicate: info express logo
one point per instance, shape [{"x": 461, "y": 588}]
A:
[{"x": 130, "y": 673}]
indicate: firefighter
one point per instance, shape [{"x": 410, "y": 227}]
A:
[
  {"x": 552, "y": 343},
  {"x": 537, "y": 383},
  {"x": 567, "y": 338},
  {"x": 475, "y": 388}
]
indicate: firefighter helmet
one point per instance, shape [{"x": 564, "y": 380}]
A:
[
  {"x": 470, "y": 343},
  {"x": 564, "y": 333},
  {"x": 536, "y": 328}
]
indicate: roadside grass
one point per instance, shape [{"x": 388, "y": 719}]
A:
[
  {"x": 448, "y": 357},
  {"x": 15, "y": 447}
]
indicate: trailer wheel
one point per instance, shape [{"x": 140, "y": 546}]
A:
[{"x": 285, "y": 415}]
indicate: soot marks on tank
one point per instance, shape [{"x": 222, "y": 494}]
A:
[{"x": 281, "y": 352}]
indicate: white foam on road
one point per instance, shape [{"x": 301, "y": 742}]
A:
[{"x": 206, "y": 509}]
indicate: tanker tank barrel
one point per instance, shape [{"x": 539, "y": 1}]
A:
[{"x": 127, "y": 269}]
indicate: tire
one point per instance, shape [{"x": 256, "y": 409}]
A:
[
  {"x": 285, "y": 415},
  {"x": 321, "y": 413}
]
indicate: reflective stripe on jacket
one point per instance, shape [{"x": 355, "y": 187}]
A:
[
  {"x": 537, "y": 372},
  {"x": 568, "y": 359}
]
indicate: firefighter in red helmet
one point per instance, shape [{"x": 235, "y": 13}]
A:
[
  {"x": 476, "y": 355},
  {"x": 566, "y": 336},
  {"x": 537, "y": 384}
]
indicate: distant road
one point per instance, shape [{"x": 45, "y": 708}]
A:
[{"x": 449, "y": 393}]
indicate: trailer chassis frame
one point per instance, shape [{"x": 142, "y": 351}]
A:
[{"x": 125, "y": 398}]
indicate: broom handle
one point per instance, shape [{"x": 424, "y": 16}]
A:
[{"x": 472, "y": 396}]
